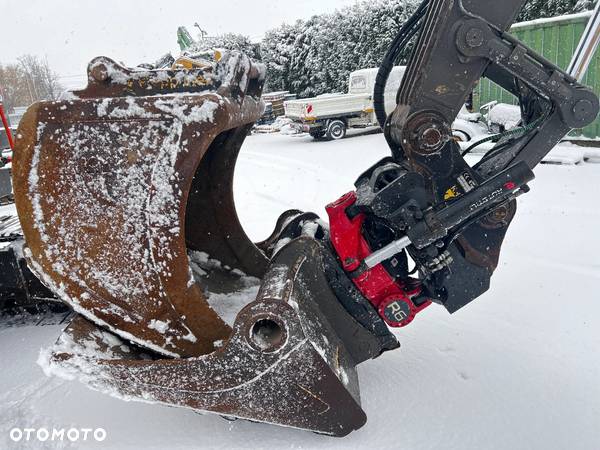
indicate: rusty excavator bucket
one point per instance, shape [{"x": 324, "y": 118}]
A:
[{"x": 124, "y": 193}]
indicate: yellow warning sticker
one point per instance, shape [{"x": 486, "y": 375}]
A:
[{"x": 451, "y": 193}]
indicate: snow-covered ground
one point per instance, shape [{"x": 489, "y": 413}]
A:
[{"x": 517, "y": 369}]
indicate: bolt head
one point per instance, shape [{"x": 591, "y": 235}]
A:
[
  {"x": 474, "y": 37},
  {"x": 582, "y": 109},
  {"x": 99, "y": 72},
  {"x": 431, "y": 138}
]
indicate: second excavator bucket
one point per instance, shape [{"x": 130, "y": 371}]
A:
[
  {"x": 285, "y": 362},
  {"x": 115, "y": 188}
]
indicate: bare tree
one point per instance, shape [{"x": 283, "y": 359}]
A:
[
  {"x": 12, "y": 87},
  {"x": 41, "y": 79},
  {"x": 29, "y": 80}
]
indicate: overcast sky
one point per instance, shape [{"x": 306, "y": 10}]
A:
[{"x": 71, "y": 32}]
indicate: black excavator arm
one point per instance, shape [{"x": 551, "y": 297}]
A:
[{"x": 426, "y": 200}]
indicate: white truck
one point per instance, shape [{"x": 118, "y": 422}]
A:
[{"x": 331, "y": 115}]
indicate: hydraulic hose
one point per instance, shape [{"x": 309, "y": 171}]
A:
[
  {"x": 506, "y": 134},
  {"x": 406, "y": 33}
]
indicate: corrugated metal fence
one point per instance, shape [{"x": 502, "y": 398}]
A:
[{"x": 556, "y": 39}]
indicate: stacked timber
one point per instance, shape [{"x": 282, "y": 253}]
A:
[{"x": 276, "y": 99}]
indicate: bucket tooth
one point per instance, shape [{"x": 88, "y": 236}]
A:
[{"x": 284, "y": 364}]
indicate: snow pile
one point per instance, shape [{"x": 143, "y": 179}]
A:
[
  {"x": 227, "y": 303},
  {"x": 278, "y": 124},
  {"x": 290, "y": 129},
  {"x": 505, "y": 115},
  {"x": 564, "y": 154}
]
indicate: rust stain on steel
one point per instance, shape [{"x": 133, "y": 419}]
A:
[{"x": 109, "y": 186}]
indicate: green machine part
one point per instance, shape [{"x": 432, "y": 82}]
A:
[{"x": 184, "y": 38}]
